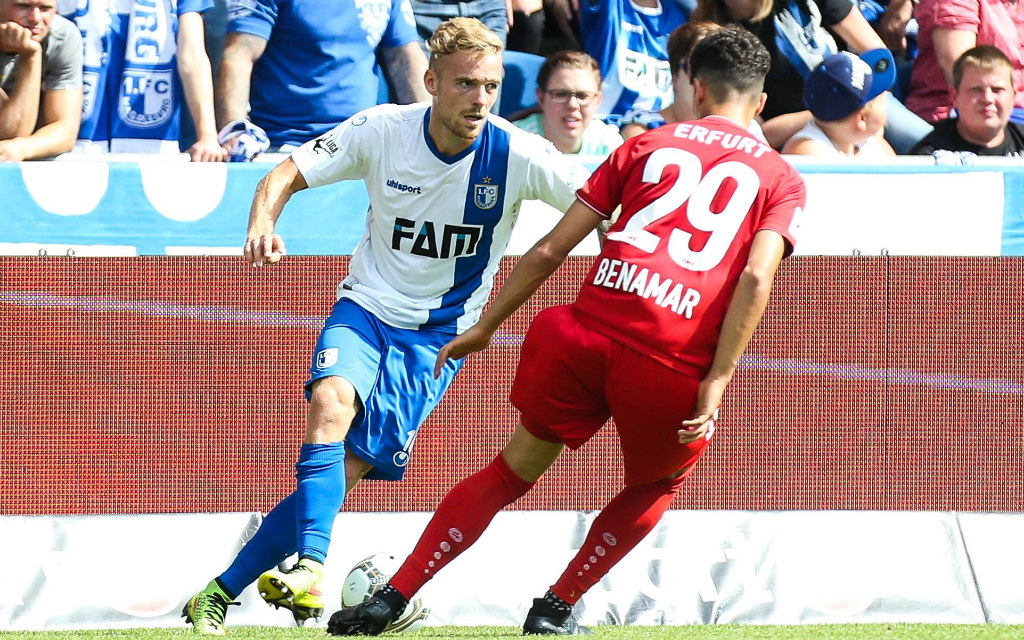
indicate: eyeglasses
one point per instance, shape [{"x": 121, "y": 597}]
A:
[{"x": 562, "y": 96}]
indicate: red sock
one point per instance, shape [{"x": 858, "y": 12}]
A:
[
  {"x": 620, "y": 526},
  {"x": 458, "y": 521}
]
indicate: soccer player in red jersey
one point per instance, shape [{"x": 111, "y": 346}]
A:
[{"x": 708, "y": 212}]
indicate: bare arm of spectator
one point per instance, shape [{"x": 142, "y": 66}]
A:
[
  {"x": 949, "y": 45},
  {"x": 405, "y": 66},
  {"x": 62, "y": 115},
  {"x": 857, "y": 33},
  {"x": 563, "y": 11},
  {"x": 892, "y": 26},
  {"x": 20, "y": 110},
  {"x": 197, "y": 83},
  {"x": 860, "y": 37},
  {"x": 780, "y": 129},
  {"x": 241, "y": 51}
]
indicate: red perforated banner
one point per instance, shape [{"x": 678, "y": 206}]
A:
[{"x": 143, "y": 385}]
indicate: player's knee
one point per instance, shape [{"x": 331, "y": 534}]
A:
[
  {"x": 675, "y": 481},
  {"x": 333, "y": 403}
]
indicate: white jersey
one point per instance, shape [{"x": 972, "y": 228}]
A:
[
  {"x": 438, "y": 225},
  {"x": 811, "y": 131}
]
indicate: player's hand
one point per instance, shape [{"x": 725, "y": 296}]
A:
[
  {"x": 702, "y": 424},
  {"x": 473, "y": 340},
  {"x": 264, "y": 249},
  {"x": 17, "y": 40},
  {"x": 207, "y": 150}
]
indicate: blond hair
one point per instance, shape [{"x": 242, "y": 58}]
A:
[
  {"x": 983, "y": 57},
  {"x": 460, "y": 35}
]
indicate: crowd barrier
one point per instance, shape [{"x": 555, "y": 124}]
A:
[
  {"x": 868, "y": 466},
  {"x": 696, "y": 567},
  {"x": 157, "y": 206}
]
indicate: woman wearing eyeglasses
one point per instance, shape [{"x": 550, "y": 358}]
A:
[{"x": 568, "y": 95}]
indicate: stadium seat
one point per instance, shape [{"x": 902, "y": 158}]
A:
[{"x": 519, "y": 89}]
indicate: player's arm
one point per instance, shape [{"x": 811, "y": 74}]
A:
[
  {"x": 749, "y": 301},
  {"x": 262, "y": 245},
  {"x": 529, "y": 273}
]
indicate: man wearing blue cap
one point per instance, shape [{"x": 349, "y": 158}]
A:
[{"x": 846, "y": 96}]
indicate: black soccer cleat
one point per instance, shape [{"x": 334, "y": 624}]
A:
[
  {"x": 368, "y": 618},
  {"x": 542, "y": 621}
]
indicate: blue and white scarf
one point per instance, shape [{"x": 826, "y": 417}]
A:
[
  {"x": 132, "y": 93},
  {"x": 800, "y": 36}
]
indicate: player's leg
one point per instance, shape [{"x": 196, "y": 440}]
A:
[
  {"x": 346, "y": 365},
  {"x": 655, "y": 463},
  {"x": 467, "y": 509},
  {"x": 274, "y": 541},
  {"x": 458, "y": 522},
  {"x": 542, "y": 381}
]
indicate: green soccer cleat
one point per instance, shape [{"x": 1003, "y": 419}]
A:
[
  {"x": 296, "y": 589},
  {"x": 205, "y": 611}
]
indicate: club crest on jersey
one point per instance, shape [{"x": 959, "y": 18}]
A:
[
  {"x": 327, "y": 358},
  {"x": 485, "y": 196}
]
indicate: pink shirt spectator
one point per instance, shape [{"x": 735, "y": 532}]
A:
[{"x": 996, "y": 22}]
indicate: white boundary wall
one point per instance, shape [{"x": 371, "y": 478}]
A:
[{"x": 79, "y": 572}]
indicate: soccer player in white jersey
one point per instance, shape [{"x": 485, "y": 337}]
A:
[
  {"x": 445, "y": 181},
  {"x": 653, "y": 338}
]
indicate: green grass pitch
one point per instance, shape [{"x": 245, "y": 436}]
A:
[{"x": 700, "y": 632}]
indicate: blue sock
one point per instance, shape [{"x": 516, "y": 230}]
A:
[
  {"x": 273, "y": 542},
  {"x": 319, "y": 494}
]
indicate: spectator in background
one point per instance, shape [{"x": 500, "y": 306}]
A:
[
  {"x": 796, "y": 33},
  {"x": 527, "y": 31},
  {"x": 568, "y": 92},
  {"x": 495, "y": 14},
  {"x": 303, "y": 68},
  {"x": 40, "y": 80},
  {"x": 947, "y": 29},
  {"x": 133, "y": 96},
  {"x": 983, "y": 97},
  {"x": 681, "y": 42},
  {"x": 629, "y": 40},
  {"x": 845, "y": 94},
  {"x": 897, "y": 27}
]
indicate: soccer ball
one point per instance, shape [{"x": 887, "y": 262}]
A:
[{"x": 371, "y": 574}]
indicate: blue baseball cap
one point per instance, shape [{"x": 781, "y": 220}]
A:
[{"x": 844, "y": 82}]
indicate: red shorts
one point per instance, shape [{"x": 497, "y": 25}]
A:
[{"x": 571, "y": 379}]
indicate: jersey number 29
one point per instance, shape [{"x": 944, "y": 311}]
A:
[{"x": 697, "y": 193}]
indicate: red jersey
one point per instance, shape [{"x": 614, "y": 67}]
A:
[{"x": 693, "y": 196}]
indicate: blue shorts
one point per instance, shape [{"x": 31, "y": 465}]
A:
[{"x": 392, "y": 371}]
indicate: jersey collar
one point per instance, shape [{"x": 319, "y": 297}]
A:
[{"x": 442, "y": 157}]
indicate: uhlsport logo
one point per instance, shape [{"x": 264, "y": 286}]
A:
[
  {"x": 146, "y": 99},
  {"x": 404, "y": 188},
  {"x": 401, "y": 458},
  {"x": 485, "y": 195}
]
